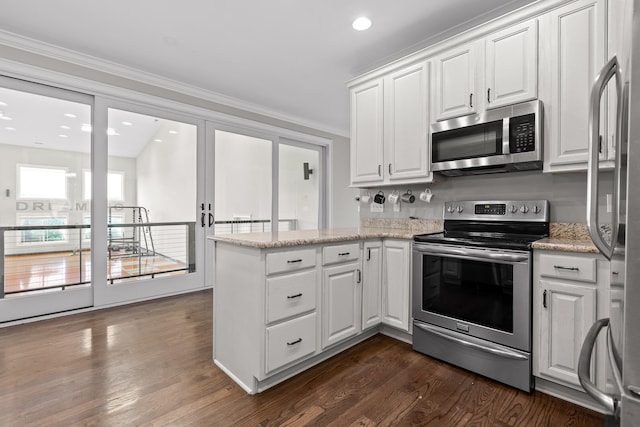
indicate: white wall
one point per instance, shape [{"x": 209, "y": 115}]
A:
[
  {"x": 167, "y": 185},
  {"x": 344, "y": 208}
]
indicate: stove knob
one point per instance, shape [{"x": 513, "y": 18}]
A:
[
  {"x": 459, "y": 209},
  {"x": 524, "y": 209},
  {"x": 450, "y": 209},
  {"x": 536, "y": 209},
  {"x": 513, "y": 209}
]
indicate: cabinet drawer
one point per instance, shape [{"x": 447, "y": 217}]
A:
[
  {"x": 340, "y": 253},
  {"x": 568, "y": 267},
  {"x": 291, "y": 294},
  {"x": 290, "y": 341},
  {"x": 278, "y": 262}
]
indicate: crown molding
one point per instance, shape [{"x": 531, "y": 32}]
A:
[{"x": 51, "y": 51}]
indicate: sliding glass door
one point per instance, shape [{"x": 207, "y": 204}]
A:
[
  {"x": 154, "y": 237},
  {"x": 45, "y": 240}
]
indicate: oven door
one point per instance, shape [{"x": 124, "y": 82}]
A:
[{"x": 484, "y": 293}]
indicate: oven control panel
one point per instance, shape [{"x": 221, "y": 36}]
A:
[{"x": 514, "y": 210}]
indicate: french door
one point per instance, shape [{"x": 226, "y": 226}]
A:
[{"x": 102, "y": 201}]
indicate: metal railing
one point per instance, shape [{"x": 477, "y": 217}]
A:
[
  {"x": 253, "y": 225},
  {"x": 46, "y": 257}
]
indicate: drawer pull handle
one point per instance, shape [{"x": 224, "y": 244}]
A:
[
  {"x": 615, "y": 273},
  {"x": 293, "y": 261},
  {"x": 299, "y": 340},
  {"x": 559, "y": 267},
  {"x": 344, "y": 253},
  {"x": 294, "y": 296}
]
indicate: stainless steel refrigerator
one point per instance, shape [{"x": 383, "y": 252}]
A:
[{"x": 617, "y": 235}]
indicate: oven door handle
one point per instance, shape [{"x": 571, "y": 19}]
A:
[
  {"x": 487, "y": 347},
  {"x": 473, "y": 254}
]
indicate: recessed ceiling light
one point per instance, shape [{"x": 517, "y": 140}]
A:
[
  {"x": 362, "y": 23},
  {"x": 10, "y": 128},
  {"x": 85, "y": 127},
  {"x": 64, "y": 127},
  {"x": 157, "y": 140},
  {"x": 63, "y": 136},
  {"x": 127, "y": 123},
  {"x": 73, "y": 116}
]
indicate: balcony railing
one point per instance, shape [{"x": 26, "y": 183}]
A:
[
  {"x": 53, "y": 257},
  {"x": 253, "y": 225}
]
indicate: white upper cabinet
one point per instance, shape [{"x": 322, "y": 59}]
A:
[
  {"x": 367, "y": 151},
  {"x": 574, "y": 53},
  {"x": 512, "y": 65},
  {"x": 389, "y": 128},
  {"x": 455, "y": 82},
  {"x": 406, "y": 122}
]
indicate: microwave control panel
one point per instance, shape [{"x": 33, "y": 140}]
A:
[{"x": 522, "y": 134}]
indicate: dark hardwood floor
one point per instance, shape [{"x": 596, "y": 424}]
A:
[{"x": 150, "y": 364}]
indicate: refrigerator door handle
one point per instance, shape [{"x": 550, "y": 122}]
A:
[
  {"x": 584, "y": 368},
  {"x": 610, "y": 70}
]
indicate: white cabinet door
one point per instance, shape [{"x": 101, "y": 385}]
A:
[
  {"x": 512, "y": 65},
  {"x": 566, "y": 313},
  {"x": 340, "y": 308},
  {"x": 406, "y": 122},
  {"x": 367, "y": 149},
  {"x": 371, "y": 284},
  {"x": 455, "y": 83},
  {"x": 396, "y": 284},
  {"x": 576, "y": 55}
]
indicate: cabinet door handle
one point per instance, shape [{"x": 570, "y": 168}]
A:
[
  {"x": 544, "y": 299},
  {"x": 359, "y": 276},
  {"x": 369, "y": 254},
  {"x": 489, "y": 96},
  {"x": 202, "y": 219},
  {"x": 293, "y": 261},
  {"x": 211, "y": 219},
  {"x": 559, "y": 267},
  {"x": 379, "y": 170},
  {"x": 470, "y": 100},
  {"x": 294, "y": 296},
  {"x": 389, "y": 168},
  {"x": 299, "y": 340}
]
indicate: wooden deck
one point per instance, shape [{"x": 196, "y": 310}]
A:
[{"x": 150, "y": 364}]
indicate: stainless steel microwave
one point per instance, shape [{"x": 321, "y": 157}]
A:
[{"x": 500, "y": 140}]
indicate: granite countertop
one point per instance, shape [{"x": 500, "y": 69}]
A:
[
  {"x": 567, "y": 237},
  {"x": 404, "y": 229}
]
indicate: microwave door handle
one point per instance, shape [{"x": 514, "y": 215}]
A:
[
  {"x": 505, "y": 136},
  {"x": 607, "y": 73}
]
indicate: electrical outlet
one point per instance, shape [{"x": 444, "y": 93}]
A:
[
  {"x": 609, "y": 203},
  {"x": 376, "y": 207}
]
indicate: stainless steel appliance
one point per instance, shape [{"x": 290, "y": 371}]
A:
[
  {"x": 499, "y": 140},
  {"x": 622, "y": 328},
  {"x": 472, "y": 287}
]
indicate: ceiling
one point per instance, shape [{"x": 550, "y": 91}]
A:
[{"x": 289, "y": 57}]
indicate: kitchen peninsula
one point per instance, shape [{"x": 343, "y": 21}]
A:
[{"x": 286, "y": 301}]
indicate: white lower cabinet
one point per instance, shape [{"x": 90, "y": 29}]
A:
[
  {"x": 290, "y": 341},
  {"x": 341, "y": 303},
  {"x": 396, "y": 284},
  {"x": 569, "y": 296},
  {"x": 371, "y": 284}
]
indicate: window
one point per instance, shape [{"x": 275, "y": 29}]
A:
[
  {"x": 35, "y": 182},
  {"x": 115, "y": 185},
  {"x": 42, "y": 235}
]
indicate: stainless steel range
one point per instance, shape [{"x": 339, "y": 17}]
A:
[{"x": 472, "y": 287}]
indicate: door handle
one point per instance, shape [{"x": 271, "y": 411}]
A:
[
  {"x": 470, "y": 100},
  {"x": 211, "y": 219},
  {"x": 202, "y": 219}
]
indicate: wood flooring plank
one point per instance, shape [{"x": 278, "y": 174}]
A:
[{"x": 150, "y": 364}]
